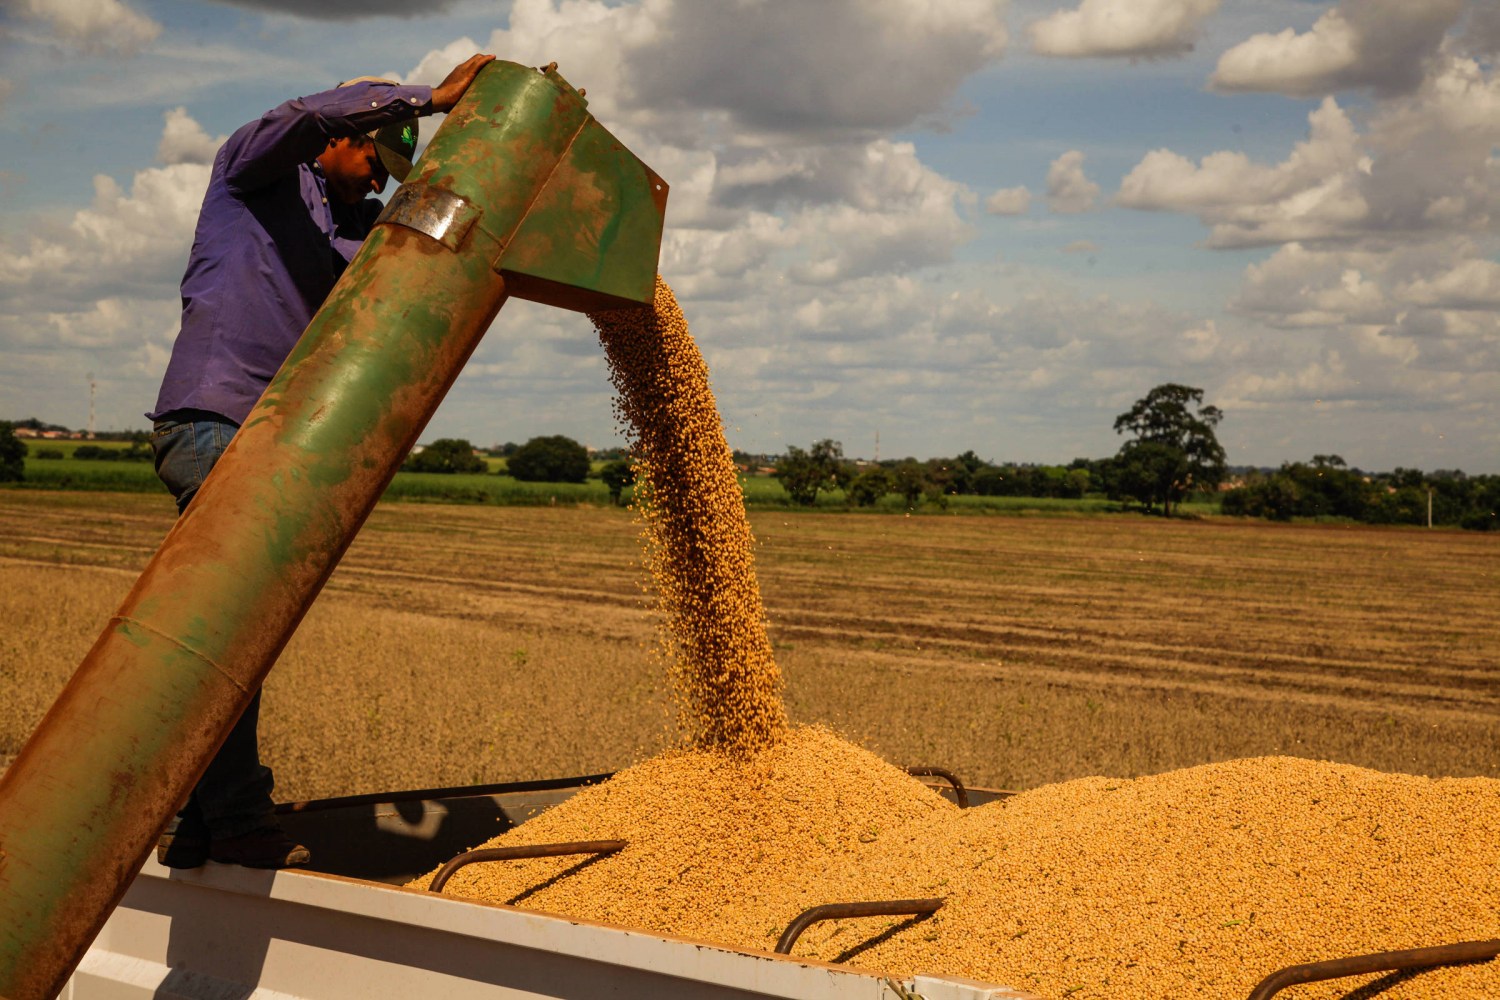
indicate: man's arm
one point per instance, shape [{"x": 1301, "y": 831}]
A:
[{"x": 298, "y": 130}]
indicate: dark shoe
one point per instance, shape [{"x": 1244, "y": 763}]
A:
[
  {"x": 267, "y": 847},
  {"x": 179, "y": 849}
]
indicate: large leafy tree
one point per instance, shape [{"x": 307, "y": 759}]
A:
[
  {"x": 446, "y": 455},
  {"x": 866, "y": 489},
  {"x": 1173, "y": 449},
  {"x": 803, "y": 474},
  {"x": 551, "y": 459},
  {"x": 909, "y": 478},
  {"x": 617, "y": 475},
  {"x": 12, "y": 454}
]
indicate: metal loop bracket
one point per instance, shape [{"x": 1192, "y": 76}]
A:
[
  {"x": 960, "y": 793},
  {"x": 838, "y": 911},
  {"x": 525, "y": 851},
  {"x": 1385, "y": 961}
]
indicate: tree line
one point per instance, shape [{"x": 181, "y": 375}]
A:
[
  {"x": 1327, "y": 487},
  {"x": 551, "y": 458},
  {"x": 822, "y": 468},
  {"x": 1170, "y": 455}
]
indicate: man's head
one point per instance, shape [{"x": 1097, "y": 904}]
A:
[
  {"x": 359, "y": 165},
  {"x": 353, "y": 169}
]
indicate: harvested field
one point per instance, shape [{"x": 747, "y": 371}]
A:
[
  {"x": 1194, "y": 883},
  {"x": 460, "y": 644}
]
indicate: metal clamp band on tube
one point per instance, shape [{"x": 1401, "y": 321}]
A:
[{"x": 431, "y": 211}]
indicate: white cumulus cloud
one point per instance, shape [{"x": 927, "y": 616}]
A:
[
  {"x": 778, "y": 145},
  {"x": 1381, "y": 44},
  {"x": 125, "y": 243},
  {"x": 1481, "y": 34},
  {"x": 1312, "y": 194},
  {"x": 93, "y": 26},
  {"x": 97, "y": 290},
  {"x": 762, "y": 67},
  {"x": 1068, "y": 189},
  {"x": 183, "y": 140},
  {"x": 1434, "y": 307},
  {"x": 1131, "y": 28},
  {"x": 1424, "y": 167},
  {"x": 1298, "y": 287},
  {"x": 1008, "y": 201},
  {"x": 1473, "y": 283}
]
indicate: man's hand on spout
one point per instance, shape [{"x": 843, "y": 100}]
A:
[{"x": 446, "y": 94}]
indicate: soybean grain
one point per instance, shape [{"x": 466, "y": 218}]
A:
[
  {"x": 1191, "y": 884},
  {"x": 721, "y": 847},
  {"x": 1200, "y": 882},
  {"x": 699, "y": 548}
]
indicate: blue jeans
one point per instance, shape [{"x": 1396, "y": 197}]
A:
[{"x": 234, "y": 795}]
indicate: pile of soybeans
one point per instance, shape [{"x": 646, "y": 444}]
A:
[{"x": 1194, "y": 883}]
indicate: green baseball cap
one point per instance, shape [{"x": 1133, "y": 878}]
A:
[{"x": 396, "y": 145}]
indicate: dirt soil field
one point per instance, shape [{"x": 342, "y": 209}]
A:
[{"x": 467, "y": 644}]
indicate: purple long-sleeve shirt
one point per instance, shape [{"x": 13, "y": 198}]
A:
[{"x": 269, "y": 246}]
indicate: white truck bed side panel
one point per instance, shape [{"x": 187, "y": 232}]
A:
[{"x": 223, "y": 933}]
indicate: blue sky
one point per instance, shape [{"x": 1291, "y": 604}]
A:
[{"x": 966, "y": 224}]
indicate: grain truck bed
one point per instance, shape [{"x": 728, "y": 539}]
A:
[{"x": 348, "y": 930}]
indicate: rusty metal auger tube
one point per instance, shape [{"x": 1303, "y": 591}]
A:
[{"x": 519, "y": 192}]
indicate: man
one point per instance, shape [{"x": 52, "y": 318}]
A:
[{"x": 287, "y": 206}]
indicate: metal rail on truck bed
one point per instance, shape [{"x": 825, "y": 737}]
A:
[{"x": 225, "y": 932}]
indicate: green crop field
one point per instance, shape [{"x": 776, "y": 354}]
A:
[
  {"x": 479, "y": 643},
  {"x": 68, "y": 473},
  {"x": 87, "y": 474},
  {"x": 491, "y": 489},
  {"x": 36, "y": 446}
]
